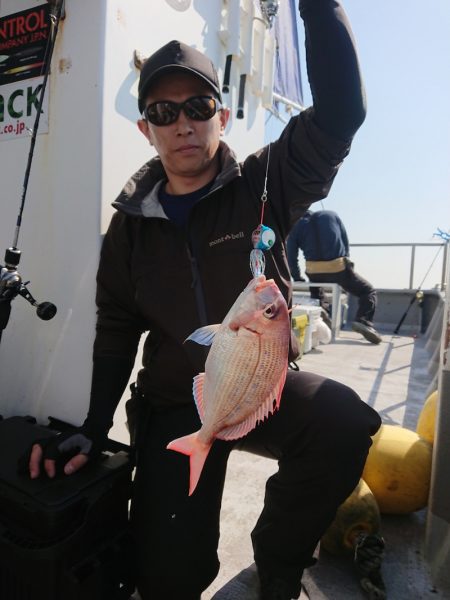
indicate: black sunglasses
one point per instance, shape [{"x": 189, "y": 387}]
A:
[{"x": 197, "y": 108}]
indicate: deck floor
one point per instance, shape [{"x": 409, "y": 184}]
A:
[{"x": 394, "y": 378}]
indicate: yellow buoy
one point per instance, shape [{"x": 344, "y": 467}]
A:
[
  {"x": 358, "y": 514},
  {"x": 398, "y": 470},
  {"x": 427, "y": 419}
]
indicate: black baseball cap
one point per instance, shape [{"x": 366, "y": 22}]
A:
[{"x": 176, "y": 56}]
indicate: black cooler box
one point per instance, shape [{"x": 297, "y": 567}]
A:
[{"x": 65, "y": 538}]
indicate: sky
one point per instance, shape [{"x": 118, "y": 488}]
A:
[{"x": 395, "y": 184}]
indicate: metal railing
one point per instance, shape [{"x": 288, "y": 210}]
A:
[{"x": 413, "y": 246}]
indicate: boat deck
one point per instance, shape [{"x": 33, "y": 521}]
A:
[{"x": 394, "y": 377}]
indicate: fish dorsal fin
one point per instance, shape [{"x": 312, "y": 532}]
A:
[
  {"x": 197, "y": 390},
  {"x": 204, "y": 335},
  {"x": 234, "y": 432}
]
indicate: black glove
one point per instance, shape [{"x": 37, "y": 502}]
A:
[
  {"x": 64, "y": 446},
  {"x": 81, "y": 440}
]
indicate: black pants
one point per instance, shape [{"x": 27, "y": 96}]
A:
[
  {"x": 352, "y": 283},
  {"x": 320, "y": 437}
]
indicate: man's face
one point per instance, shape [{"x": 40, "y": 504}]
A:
[{"x": 187, "y": 148}]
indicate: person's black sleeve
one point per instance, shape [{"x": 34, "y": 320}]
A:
[
  {"x": 119, "y": 326},
  {"x": 110, "y": 376},
  {"x": 309, "y": 152},
  {"x": 333, "y": 68}
]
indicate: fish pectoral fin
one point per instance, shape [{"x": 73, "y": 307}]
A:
[
  {"x": 234, "y": 432},
  {"x": 204, "y": 335},
  {"x": 197, "y": 391},
  {"x": 197, "y": 452}
]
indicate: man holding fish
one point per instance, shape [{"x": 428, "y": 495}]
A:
[{"x": 175, "y": 263}]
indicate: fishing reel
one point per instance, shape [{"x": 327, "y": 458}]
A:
[{"x": 11, "y": 285}]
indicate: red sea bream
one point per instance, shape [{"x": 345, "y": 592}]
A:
[{"x": 244, "y": 373}]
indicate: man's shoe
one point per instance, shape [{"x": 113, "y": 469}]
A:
[{"x": 368, "y": 332}]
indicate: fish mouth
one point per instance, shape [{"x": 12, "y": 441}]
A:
[
  {"x": 252, "y": 330},
  {"x": 261, "y": 283}
]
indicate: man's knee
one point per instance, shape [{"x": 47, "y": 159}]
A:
[{"x": 347, "y": 421}]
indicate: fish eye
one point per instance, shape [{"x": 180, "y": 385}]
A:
[{"x": 270, "y": 312}]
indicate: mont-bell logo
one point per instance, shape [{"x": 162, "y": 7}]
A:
[{"x": 226, "y": 238}]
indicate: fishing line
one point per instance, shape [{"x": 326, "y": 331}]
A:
[
  {"x": 263, "y": 237},
  {"x": 264, "y": 194}
]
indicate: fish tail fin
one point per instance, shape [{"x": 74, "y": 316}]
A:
[{"x": 197, "y": 452}]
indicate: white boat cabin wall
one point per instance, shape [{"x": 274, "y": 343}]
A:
[{"x": 87, "y": 147}]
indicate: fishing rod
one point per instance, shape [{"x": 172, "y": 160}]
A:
[
  {"x": 11, "y": 283},
  {"x": 418, "y": 294}
]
